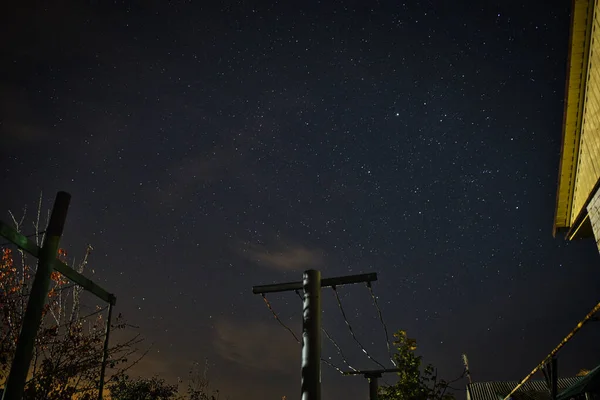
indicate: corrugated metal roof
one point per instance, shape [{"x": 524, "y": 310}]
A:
[
  {"x": 587, "y": 383},
  {"x": 531, "y": 390}
]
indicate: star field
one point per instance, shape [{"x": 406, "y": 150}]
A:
[{"x": 212, "y": 148}]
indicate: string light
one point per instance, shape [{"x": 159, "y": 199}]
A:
[
  {"x": 337, "y": 297},
  {"x": 387, "y": 336}
]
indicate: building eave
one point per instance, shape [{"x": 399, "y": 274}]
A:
[{"x": 577, "y": 66}]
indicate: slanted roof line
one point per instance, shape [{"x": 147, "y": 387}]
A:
[{"x": 578, "y": 59}]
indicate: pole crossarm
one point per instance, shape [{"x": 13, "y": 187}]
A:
[
  {"x": 311, "y": 323},
  {"x": 20, "y": 240},
  {"x": 30, "y": 247},
  {"x": 373, "y": 372},
  {"x": 337, "y": 281},
  {"x": 373, "y": 375}
]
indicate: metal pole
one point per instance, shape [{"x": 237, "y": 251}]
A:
[
  {"x": 373, "y": 386},
  {"x": 373, "y": 376},
  {"x": 19, "y": 370},
  {"x": 105, "y": 351},
  {"x": 311, "y": 336},
  {"x": 554, "y": 377}
]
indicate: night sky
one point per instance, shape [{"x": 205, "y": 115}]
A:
[{"x": 212, "y": 148}]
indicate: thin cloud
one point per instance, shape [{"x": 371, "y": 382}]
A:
[
  {"x": 22, "y": 132},
  {"x": 16, "y": 127},
  {"x": 289, "y": 257},
  {"x": 256, "y": 345},
  {"x": 155, "y": 364}
]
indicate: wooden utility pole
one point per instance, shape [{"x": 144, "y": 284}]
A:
[
  {"x": 311, "y": 322},
  {"x": 105, "y": 352},
  {"x": 47, "y": 262},
  {"x": 37, "y": 299},
  {"x": 311, "y": 336},
  {"x": 550, "y": 371},
  {"x": 554, "y": 377},
  {"x": 373, "y": 377}
]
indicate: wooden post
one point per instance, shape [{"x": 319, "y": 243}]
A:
[
  {"x": 311, "y": 323},
  {"x": 373, "y": 378},
  {"x": 105, "y": 351},
  {"x": 373, "y": 385},
  {"x": 17, "y": 377},
  {"x": 47, "y": 262},
  {"x": 554, "y": 378},
  {"x": 311, "y": 336}
]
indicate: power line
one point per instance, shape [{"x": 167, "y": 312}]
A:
[
  {"x": 268, "y": 304},
  {"x": 278, "y": 319},
  {"x": 387, "y": 337},
  {"x": 337, "y": 346},
  {"x": 332, "y": 366},
  {"x": 339, "y": 350},
  {"x": 337, "y": 297}
]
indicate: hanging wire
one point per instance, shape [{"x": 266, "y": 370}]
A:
[
  {"x": 337, "y": 297},
  {"x": 278, "y": 319},
  {"x": 449, "y": 383},
  {"x": 337, "y": 346},
  {"x": 387, "y": 336},
  {"x": 339, "y": 350},
  {"x": 268, "y": 304},
  {"x": 332, "y": 366}
]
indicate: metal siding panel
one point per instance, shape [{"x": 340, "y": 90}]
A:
[
  {"x": 588, "y": 163},
  {"x": 581, "y": 26},
  {"x": 593, "y": 210}
]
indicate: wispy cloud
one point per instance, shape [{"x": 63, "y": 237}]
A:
[
  {"x": 256, "y": 345},
  {"x": 156, "y": 364},
  {"x": 22, "y": 132},
  {"x": 286, "y": 257},
  {"x": 16, "y": 115}
]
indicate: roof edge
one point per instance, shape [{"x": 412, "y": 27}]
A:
[{"x": 582, "y": 72}]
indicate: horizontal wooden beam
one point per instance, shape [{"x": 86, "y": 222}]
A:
[
  {"x": 86, "y": 283},
  {"x": 376, "y": 372},
  {"x": 30, "y": 247},
  {"x": 338, "y": 281},
  {"x": 21, "y": 241}
]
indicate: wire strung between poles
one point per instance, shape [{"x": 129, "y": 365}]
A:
[
  {"x": 332, "y": 366},
  {"x": 332, "y": 340},
  {"x": 387, "y": 337},
  {"x": 279, "y": 320},
  {"x": 268, "y": 304},
  {"x": 337, "y": 297}
]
